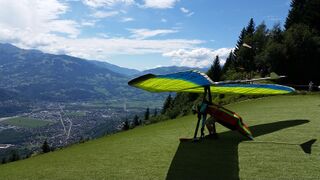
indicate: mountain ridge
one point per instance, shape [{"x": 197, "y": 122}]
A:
[
  {"x": 115, "y": 68},
  {"x": 37, "y": 76},
  {"x": 171, "y": 69},
  {"x": 42, "y": 76}
]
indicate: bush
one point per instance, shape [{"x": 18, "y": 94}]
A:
[{"x": 45, "y": 147}]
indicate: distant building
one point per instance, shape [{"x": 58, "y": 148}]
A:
[{"x": 5, "y": 146}]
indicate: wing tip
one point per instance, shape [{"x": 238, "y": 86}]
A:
[{"x": 134, "y": 81}]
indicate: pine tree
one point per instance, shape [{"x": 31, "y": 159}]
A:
[
  {"x": 302, "y": 54},
  {"x": 271, "y": 56},
  {"x": 260, "y": 37},
  {"x": 155, "y": 112},
  {"x": 240, "y": 41},
  {"x": 125, "y": 125},
  {"x": 45, "y": 147},
  {"x": 250, "y": 28},
  {"x": 296, "y": 13},
  {"x": 136, "y": 121},
  {"x": 229, "y": 64},
  {"x": 276, "y": 33},
  {"x": 245, "y": 55},
  {"x": 14, "y": 156},
  {"x": 301, "y": 42},
  {"x": 147, "y": 114},
  {"x": 304, "y": 12},
  {"x": 4, "y": 160},
  {"x": 215, "y": 71},
  {"x": 167, "y": 104}
]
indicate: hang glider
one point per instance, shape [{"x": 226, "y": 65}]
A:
[{"x": 195, "y": 81}]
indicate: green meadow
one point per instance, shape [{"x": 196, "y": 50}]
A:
[
  {"x": 26, "y": 122},
  {"x": 280, "y": 124}
]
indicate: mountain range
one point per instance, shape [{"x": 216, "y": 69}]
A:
[
  {"x": 37, "y": 76},
  {"x": 171, "y": 69},
  {"x": 40, "y": 76},
  {"x": 115, "y": 68},
  {"x": 133, "y": 72}
]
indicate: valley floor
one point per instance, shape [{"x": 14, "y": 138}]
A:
[{"x": 279, "y": 124}]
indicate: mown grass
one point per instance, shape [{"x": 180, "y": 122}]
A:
[
  {"x": 278, "y": 123},
  {"x": 26, "y": 122}
]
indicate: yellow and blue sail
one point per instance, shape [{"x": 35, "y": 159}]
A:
[{"x": 194, "y": 81}]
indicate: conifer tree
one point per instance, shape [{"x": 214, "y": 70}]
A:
[
  {"x": 260, "y": 37},
  {"x": 155, "y": 112},
  {"x": 276, "y": 33},
  {"x": 240, "y": 41},
  {"x": 136, "y": 121},
  {"x": 167, "y": 104},
  {"x": 245, "y": 55},
  {"x": 229, "y": 64},
  {"x": 4, "y": 160},
  {"x": 250, "y": 28},
  {"x": 296, "y": 13},
  {"x": 14, "y": 156},
  {"x": 45, "y": 147},
  {"x": 215, "y": 70},
  {"x": 304, "y": 12},
  {"x": 147, "y": 114},
  {"x": 125, "y": 125}
]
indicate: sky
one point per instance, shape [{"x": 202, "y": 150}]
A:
[{"x": 139, "y": 34}]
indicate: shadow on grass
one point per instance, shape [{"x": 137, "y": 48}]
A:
[
  {"x": 306, "y": 147},
  {"x": 217, "y": 159}
]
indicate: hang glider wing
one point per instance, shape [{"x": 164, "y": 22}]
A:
[
  {"x": 273, "y": 76},
  {"x": 251, "y": 89},
  {"x": 176, "y": 82},
  {"x": 194, "y": 81}
]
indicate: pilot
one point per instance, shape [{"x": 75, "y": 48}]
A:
[{"x": 209, "y": 123}]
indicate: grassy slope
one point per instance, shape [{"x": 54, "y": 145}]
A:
[
  {"x": 26, "y": 122},
  {"x": 154, "y": 152}
]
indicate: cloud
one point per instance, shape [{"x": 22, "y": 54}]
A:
[
  {"x": 159, "y": 4},
  {"x": 197, "y": 57},
  {"x": 99, "y": 48},
  {"x": 147, "y": 33},
  {"x": 104, "y": 35},
  {"x": 127, "y": 19},
  {"x": 186, "y": 11},
  {"x": 104, "y": 14},
  {"x": 34, "y": 17},
  {"x": 39, "y": 25},
  {"x": 89, "y": 23},
  {"x": 102, "y": 48},
  {"x": 163, "y": 20},
  {"x": 106, "y": 3},
  {"x": 190, "y": 14}
]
